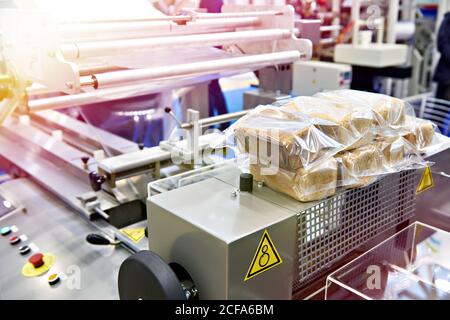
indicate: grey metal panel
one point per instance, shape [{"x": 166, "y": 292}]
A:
[
  {"x": 331, "y": 228},
  {"x": 214, "y": 236},
  {"x": 210, "y": 206},
  {"x": 200, "y": 253},
  {"x": 56, "y": 229},
  {"x": 310, "y": 236},
  {"x": 275, "y": 283},
  {"x": 263, "y": 192}
]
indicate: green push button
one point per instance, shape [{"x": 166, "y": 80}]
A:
[{"x": 5, "y": 231}]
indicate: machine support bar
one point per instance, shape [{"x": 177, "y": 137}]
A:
[
  {"x": 129, "y": 76},
  {"x": 83, "y": 50}
]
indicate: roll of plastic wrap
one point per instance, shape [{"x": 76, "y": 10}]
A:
[{"x": 404, "y": 30}]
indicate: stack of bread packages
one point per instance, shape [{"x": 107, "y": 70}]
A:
[{"x": 309, "y": 147}]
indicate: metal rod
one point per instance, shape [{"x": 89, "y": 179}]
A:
[
  {"x": 200, "y": 15},
  {"x": 102, "y": 48},
  {"x": 211, "y": 121},
  {"x": 89, "y": 81},
  {"x": 207, "y": 122},
  {"x": 146, "y": 19},
  {"x": 392, "y": 20},
  {"x": 133, "y": 30},
  {"x": 193, "y": 15},
  {"x": 102, "y": 213},
  {"x": 121, "y": 77},
  {"x": 88, "y": 70},
  {"x": 66, "y": 101},
  {"x": 113, "y": 93},
  {"x": 238, "y": 22}
]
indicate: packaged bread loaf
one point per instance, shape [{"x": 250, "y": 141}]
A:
[
  {"x": 359, "y": 166},
  {"x": 289, "y": 138},
  {"x": 392, "y": 149},
  {"x": 421, "y": 133},
  {"x": 387, "y": 111},
  {"x": 304, "y": 185},
  {"x": 340, "y": 121},
  {"x": 336, "y": 139},
  {"x": 424, "y": 133}
]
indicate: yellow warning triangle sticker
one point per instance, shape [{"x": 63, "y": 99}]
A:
[
  {"x": 134, "y": 234},
  {"x": 426, "y": 182},
  {"x": 266, "y": 257}
]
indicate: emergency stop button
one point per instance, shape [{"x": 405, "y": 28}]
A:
[{"x": 37, "y": 260}]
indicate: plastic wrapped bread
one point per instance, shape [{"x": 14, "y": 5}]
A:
[
  {"x": 306, "y": 130},
  {"x": 392, "y": 149},
  {"x": 359, "y": 166},
  {"x": 337, "y": 139},
  {"x": 388, "y": 112},
  {"x": 421, "y": 133},
  {"x": 345, "y": 114},
  {"x": 291, "y": 139},
  {"x": 304, "y": 185},
  {"x": 346, "y": 124}
]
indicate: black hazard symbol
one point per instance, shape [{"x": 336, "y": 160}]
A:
[{"x": 266, "y": 257}]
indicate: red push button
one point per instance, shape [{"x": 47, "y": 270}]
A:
[
  {"x": 14, "y": 240},
  {"x": 36, "y": 260}
]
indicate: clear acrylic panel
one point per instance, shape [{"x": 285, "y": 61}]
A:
[{"x": 414, "y": 264}]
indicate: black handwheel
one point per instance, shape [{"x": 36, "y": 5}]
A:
[{"x": 146, "y": 276}]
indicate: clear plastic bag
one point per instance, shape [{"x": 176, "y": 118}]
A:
[
  {"x": 347, "y": 125},
  {"x": 390, "y": 115},
  {"x": 286, "y": 139},
  {"x": 308, "y": 147},
  {"x": 304, "y": 185},
  {"x": 422, "y": 133},
  {"x": 360, "y": 167}
]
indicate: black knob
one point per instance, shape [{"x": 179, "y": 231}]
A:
[
  {"x": 141, "y": 146},
  {"x": 96, "y": 180},
  {"x": 246, "y": 182},
  {"x": 97, "y": 239}
]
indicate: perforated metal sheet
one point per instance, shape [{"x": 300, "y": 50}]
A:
[{"x": 333, "y": 228}]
